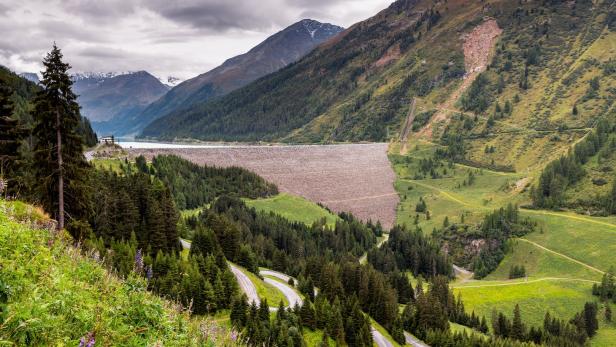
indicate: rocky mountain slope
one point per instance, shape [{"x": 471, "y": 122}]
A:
[
  {"x": 107, "y": 99},
  {"x": 504, "y": 76},
  {"x": 276, "y": 52}
]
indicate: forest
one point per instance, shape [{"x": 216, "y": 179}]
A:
[{"x": 551, "y": 190}]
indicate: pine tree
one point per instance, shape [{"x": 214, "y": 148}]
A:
[
  {"x": 10, "y": 136},
  {"x": 590, "y": 319},
  {"x": 61, "y": 168},
  {"x": 608, "y": 312},
  {"x": 518, "y": 330}
]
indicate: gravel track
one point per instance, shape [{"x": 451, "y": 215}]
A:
[{"x": 356, "y": 178}]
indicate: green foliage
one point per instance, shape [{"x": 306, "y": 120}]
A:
[
  {"x": 59, "y": 173},
  {"x": 410, "y": 251},
  {"x": 422, "y": 119},
  {"x": 517, "y": 271},
  {"x": 479, "y": 96},
  {"x": 133, "y": 204},
  {"x": 194, "y": 186},
  {"x": 54, "y": 294},
  {"x": 558, "y": 175},
  {"x": 483, "y": 247},
  {"x": 294, "y": 208}
]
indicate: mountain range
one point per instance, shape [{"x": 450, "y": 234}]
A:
[
  {"x": 503, "y": 75},
  {"x": 276, "y": 52}
]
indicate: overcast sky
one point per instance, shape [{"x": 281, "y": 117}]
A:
[{"x": 167, "y": 38}]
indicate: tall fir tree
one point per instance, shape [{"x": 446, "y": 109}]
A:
[
  {"x": 10, "y": 136},
  {"x": 59, "y": 164}
]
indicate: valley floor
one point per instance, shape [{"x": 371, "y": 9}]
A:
[{"x": 563, "y": 258}]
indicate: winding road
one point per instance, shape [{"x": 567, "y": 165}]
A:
[
  {"x": 379, "y": 339},
  {"x": 246, "y": 284},
  {"x": 413, "y": 341},
  {"x": 291, "y": 295}
]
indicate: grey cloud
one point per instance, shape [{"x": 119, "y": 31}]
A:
[{"x": 220, "y": 15}]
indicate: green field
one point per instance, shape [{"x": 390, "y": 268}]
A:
[
  {"x": 294, "y": 208},
  {"x": 563, "y": 258}
]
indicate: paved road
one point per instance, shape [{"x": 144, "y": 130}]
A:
[
  {"x": 246, "y": 285},
  {"x": 379, "y": 339},
  {"x": 277, "y": 274},
  {"x": 185, "y": 244},
  {"x": 413, "y": 341},
  {"x": 287, "y": 291}
]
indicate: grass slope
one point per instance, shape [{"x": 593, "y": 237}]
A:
[
  {"x": 56, "y": 294},
  {"x": 293, "y": 208},
  {"x": 562, "y": 258}
]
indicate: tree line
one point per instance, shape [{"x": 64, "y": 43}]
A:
[{"x": 557, "y": 176}]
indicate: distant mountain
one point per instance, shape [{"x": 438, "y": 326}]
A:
[
  {"x": 475, "y": 69},
  {"x": 276, "y": 52},
  {"x": 30, "y": 76},
  {"x": 108, "y": 99}
]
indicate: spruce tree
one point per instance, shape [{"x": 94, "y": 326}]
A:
[
  {"x": 10, "y": 136},
  {"x": 61, "y": 168},
  {"x": 518, "y": 331}
]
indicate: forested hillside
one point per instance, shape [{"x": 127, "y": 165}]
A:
[{"x": 547, "y": 76}]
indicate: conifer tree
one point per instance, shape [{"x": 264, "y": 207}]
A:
[
  {"x": 10, "y": 136},
  {"x": 61, "y": 168},
  {"x": 518, "y": 331}
]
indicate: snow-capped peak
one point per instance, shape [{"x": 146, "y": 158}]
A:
[
  {"x": 78, "y": 76},
  {"x": 170, "y": 81}
]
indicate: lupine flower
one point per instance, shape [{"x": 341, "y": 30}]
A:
[
  {"x": 138, "y": 261},
  {"x": 3, "y": 185},
  {"x": 90, "y": 340}
]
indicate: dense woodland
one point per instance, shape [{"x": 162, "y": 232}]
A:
[{"x": 194, "y": 186}]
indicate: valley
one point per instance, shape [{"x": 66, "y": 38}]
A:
[{"x": 440, "y": 174}]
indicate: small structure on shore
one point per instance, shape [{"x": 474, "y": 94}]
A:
[{"x": 107, "y": 140}]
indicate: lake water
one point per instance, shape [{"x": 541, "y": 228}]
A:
[{"x": 161, "y": 145}]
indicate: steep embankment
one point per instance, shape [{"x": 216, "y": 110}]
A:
[{"x": 53, "y": 294}]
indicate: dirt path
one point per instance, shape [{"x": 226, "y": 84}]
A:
[
  {"x": 562, "y": 255},
  {"x": 515, "y": 283},
  {"x": 477, "y": 46}
]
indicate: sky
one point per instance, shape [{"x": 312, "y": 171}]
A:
[{"x": 181, "y": 38}]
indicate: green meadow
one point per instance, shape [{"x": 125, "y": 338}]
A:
[
  {"x": 566, "y": 254},
  {"x": 294, "y": 208}
]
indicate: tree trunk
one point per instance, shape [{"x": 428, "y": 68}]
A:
[{"x": 60, "y": 175}]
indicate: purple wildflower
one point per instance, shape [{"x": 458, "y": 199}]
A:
[
  {"x": 3, "y": 185},
  {"x": 139, "y": 261},
  {"x": 90, "y": 338}
]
